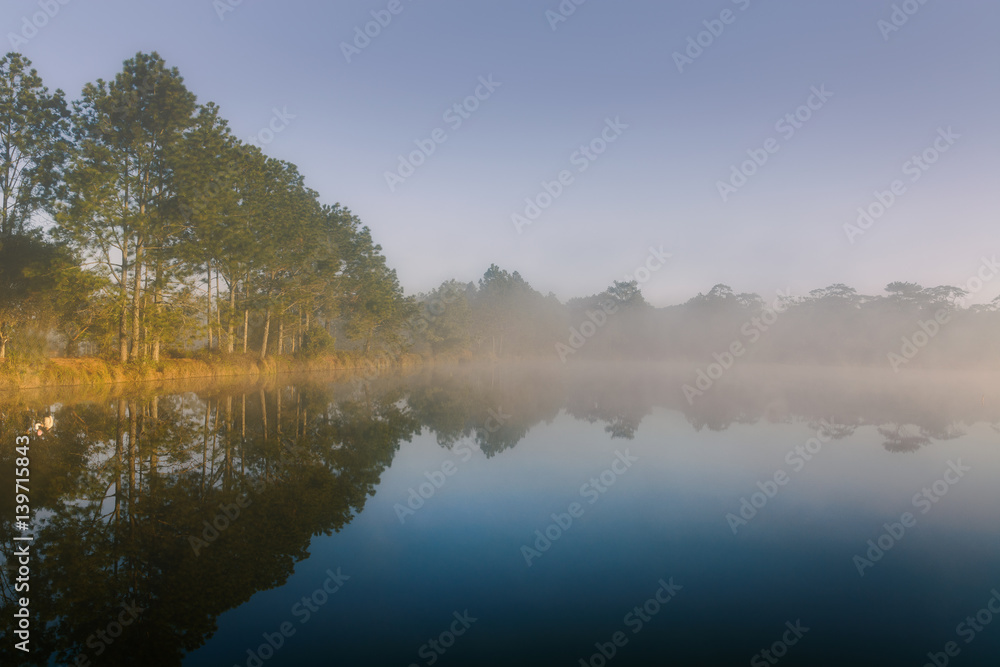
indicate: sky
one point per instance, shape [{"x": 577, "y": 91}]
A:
[{"x": 682, "y": 108}]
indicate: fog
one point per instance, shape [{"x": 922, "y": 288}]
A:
[{"x": 906, "y": 327}]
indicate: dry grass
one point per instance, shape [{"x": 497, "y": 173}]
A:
[{"x": 90, "y": 371}]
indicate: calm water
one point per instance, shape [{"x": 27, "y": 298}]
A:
[{"x": 499, "y": 516}]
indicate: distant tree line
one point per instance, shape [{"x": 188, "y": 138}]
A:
[{"x": 908, "y": 325}]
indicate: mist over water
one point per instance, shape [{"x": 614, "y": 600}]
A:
[{"x": 536, "y": 508}]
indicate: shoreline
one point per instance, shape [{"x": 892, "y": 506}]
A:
[{"x": 62, "y": 372}]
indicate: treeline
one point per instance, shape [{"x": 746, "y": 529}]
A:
[
  {"x": 134, "y": 222},
  {"x": 907, "y": 326}
]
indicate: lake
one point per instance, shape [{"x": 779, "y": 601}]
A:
[{"x": 521, "y": 514}]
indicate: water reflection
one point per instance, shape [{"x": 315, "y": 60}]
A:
[{"x": 157, "y": 512}]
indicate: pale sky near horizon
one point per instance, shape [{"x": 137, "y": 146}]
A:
[{"x": 888, "y": 95}]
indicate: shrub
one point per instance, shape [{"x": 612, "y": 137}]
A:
[{"x": 317, "y": 342}]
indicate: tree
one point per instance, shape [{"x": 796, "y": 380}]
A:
[
  {"x": 628, "y": 294},
  {"x": 376, "y": 309},
  {"x": 444, "y": 321},
  {"x": 503, "y": 309},
  {"x": 903, "y": 292},
  {"x": 217, "y": 179},
  {"x": 120, "y": 181},
  {"x": 287, "y": 232},
  {"x": 945, "y": 296},
  {"x": 837, "y": 293},
  {"x": 41, "y": 286},
  {"x": 33, "y": 139}
]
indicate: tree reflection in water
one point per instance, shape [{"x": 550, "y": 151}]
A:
[{"x": 125, "y": 485}]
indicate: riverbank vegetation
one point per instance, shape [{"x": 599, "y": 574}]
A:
[{"x": 134, "y": 224}]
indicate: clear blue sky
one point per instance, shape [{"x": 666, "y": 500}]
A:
[{"x": 656, "y": 184}]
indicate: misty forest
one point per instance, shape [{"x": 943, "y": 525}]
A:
[{"x": 135, "y": 228}]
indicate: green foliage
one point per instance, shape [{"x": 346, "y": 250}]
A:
[
  {"x": 42, "y": 289},
  {"x": 318, "y": 342},
  {"x": 178, "y": 230},
  {"x": 33, "y": 141},
  {"x": 445, "y": 318}
]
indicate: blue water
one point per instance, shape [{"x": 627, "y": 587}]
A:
[{"x": 663, "y": 519}]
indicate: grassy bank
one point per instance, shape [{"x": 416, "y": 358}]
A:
[{"x": 91, "y": 371}]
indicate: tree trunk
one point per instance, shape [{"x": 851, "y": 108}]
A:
[
  {"x": 218, "y": 310},
  {"x": 145, "y": 321},
  {"x": 208, "y": 311},
  {"x": 204, "y": 447},
  {"x": 263, "y": 412},
  {"x": 277, "y": 416},
  {"x": 267, "y": 330},
  {"x": 136, "y": 292},
  {"x": 231, "y": 337},
  {"x": 154, "y": 460},
  {"x": 246, "y": 312},
  {"x": 156, "y": 309},
  {"x": 133, "y": 451},
  {"x": 119, "y": 447},
  {"x": 229, "y": 442},
  {"x": 281, "y": 336},
  {"x": 123, "y": 309}
]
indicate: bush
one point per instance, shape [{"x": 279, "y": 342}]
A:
[{"x": 317, "y": 342}]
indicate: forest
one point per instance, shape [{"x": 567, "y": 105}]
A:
[
  {"x": 134, "y": 224},
  {"x": 135, "y": 227}
]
